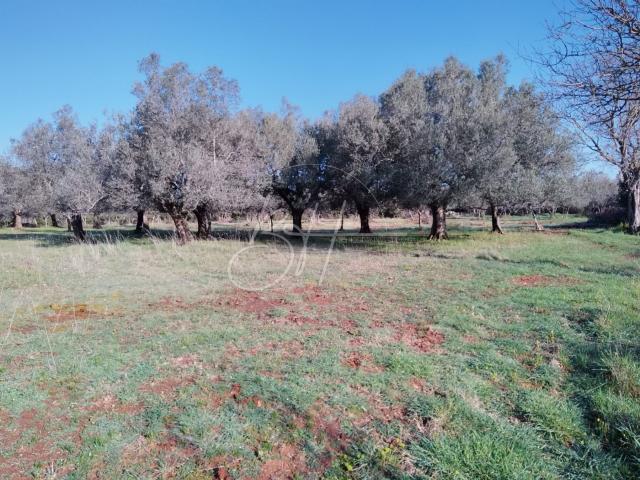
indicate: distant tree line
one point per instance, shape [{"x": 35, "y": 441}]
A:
[{"x": 452, "y": 138}]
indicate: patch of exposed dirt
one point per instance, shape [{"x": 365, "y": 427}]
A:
[
  {"x": 362, "y": 361},
  {"x": 41, "y": 450},
  {"x": 76, "y": 311},
  {"x": 167, "y": 387},
  {"x": 252, "y": 302},
  {"x": 110, "y": 404},
  {"x": 169, "y": 304},
  {"x": 288, "y": 463},
  {"x": 187, "y": 361},
  {"x": 422, "y": 339}
]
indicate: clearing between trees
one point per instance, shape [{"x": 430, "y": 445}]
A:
[{"x": 488, "y": 356}]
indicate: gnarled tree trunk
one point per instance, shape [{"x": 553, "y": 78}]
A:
[
  {"x": 364, "y": 212},
  {"x": 296, "y": 213},
  {"x": 17, "y": 219},
  {"x": 182, "y": 227},
  {"x": 54, "y": 220},
  {"x": 495, "y": 220},
  {"x": 438, "y": 223},
  {"x": 78, "y": 227},
  {"x": 633, "y": 208},
  {"x": 204, "y": 222},
  {"x": 141, "y": 227}
]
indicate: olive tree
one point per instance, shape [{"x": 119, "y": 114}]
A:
[
  {"x": 14, "y": 188},
  {"x": 176, "y": 141},
  {"x": 432, "y": 136},
  {"x": 359, "y": 161},
  {"x": 78, "y": 150},
  {"x": 36, "y": 153},
  {"x": 292, "y": 161}
]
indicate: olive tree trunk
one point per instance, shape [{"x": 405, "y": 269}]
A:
[
  {"x": 78, "y": 228},
  {"x": 54, "y": 220},
  {"x": 438, "y": 223},
  {"x": 495, "y": 220},
  {"x": 364, "y": 212},
  {"x": 296, "y": 214},
  {"x": 17, "y": 219},
  {"x": 182, "y": 228},
  {"x": 141, "y": 227},
  {"x": 204, "y": 222}
]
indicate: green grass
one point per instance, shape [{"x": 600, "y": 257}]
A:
[{"x": 484, "y": 357}]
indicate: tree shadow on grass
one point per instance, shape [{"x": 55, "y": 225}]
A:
[
  {"x": 601, "y": 391},
  {"x": 57, "y": 238},
  {"x": 622, "y": 271}
]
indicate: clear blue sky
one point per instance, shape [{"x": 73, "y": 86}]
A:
[{"x": 316, "y": 53}]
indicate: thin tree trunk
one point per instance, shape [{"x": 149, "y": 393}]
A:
[
  {"x": 69, "y": 228},
  {"x": 495, "y": 220},
  {"x": 363, "y": 213},
  {"x": 204, "y": 222},
  {"x": 17, "y": 220},
  {"x": 271, "y": 222},
  {"x": 633, "y": 208},
  {"x": 141, "y": 227},
  {"x": 419, "y": 220},
  {"x": 341, "y": 221},
  {"x": 539, "y": 227},
  {"x": 78, "y": 228},
  {"x": 296, "y": 213},
  {"x": 438, "y": 223},
  {"x": 54, "y": 220},
  {"x": 182, "y": 227}
]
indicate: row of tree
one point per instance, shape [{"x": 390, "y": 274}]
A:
[{"x": 449, "y": 138}]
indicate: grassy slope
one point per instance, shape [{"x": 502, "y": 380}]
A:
[{"x": 483, "y": 357}]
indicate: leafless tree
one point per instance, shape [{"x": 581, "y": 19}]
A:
[{"x": 593, "y": 64}]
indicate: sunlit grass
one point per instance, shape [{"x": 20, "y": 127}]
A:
[{"x": 487, "y": 356}]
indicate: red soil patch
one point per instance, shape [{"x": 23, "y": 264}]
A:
[
  {"x": 542, "y": 280},
  {"x": 314, "y": 295},
  {"x": 235, "y": 391},
  {"x": 63, "y": 313},
  {"x": 187, "y": 361},
  {"x": 169, "y": 452},
  {"x": 289, "y": 463},
  {"x": 166, "y": 388},
  {"x": 252, "y": 302},
  {"x": 80, "y": 311},
  {"x": 362, "y": 361},
  {"x": 424, "y": 340},
  {"x": 110, "y": 404},
  {"x": 170, "y": 304},
  {"x": 41, "y": 450}
]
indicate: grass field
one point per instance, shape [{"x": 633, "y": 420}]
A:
[{"x": 483, "y": 357}]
